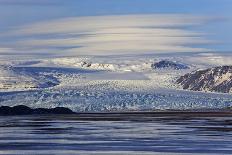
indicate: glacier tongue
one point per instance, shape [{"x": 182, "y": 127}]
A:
[{"x": 86, "y": 100}]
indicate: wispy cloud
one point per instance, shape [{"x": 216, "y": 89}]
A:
[{"x": 116, "y": 34}]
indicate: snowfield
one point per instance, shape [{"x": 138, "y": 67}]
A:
[
  {"x": 107, "y": 83},
  {"x": 19, "y": 78}
]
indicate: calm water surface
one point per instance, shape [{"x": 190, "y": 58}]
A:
[{"x": 69, "y": 134}]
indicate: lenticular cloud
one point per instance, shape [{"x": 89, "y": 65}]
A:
[{"x": 116, "y": 34}]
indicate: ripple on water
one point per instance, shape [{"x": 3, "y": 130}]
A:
[{"x": 158, "y": 135}]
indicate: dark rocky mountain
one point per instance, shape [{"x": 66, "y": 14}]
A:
[
  {"x": 169, "y": 64},
  {"x": 24, "y": 110},
  {"x": 217, "y": 79}
]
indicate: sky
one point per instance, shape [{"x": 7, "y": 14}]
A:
[{"x": 109, "y": 27}]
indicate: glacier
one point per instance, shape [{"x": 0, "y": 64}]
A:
[{"x": 110, "y": 83}]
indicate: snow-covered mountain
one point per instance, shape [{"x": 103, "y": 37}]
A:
[
  {"x": 217, "y": 79},
  {"x": 23, "y": 78},
  {"x": 101, "y": 64}
]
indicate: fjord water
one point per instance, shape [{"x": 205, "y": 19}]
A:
[{"x": 91, "y": 134}]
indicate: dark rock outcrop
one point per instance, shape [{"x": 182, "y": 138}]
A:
[
  {"x": 217, "y": 79},
  {"x": 24, "y": 110},
  {"x": 169, "y": 64}
]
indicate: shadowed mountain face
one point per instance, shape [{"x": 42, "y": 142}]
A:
[
  {"x": 169, "y": 65},
  {"x": 218, "y": 79}
]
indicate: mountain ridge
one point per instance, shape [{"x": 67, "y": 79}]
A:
[{"x": 216, "y": 79}]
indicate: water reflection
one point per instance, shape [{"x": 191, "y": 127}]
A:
[{"x": 70, "y": 134}]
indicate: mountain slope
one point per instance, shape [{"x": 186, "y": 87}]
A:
[
  {"x": 24, "y": 78},
  {"x": 217, "y": 79}
]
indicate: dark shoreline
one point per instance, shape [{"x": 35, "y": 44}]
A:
[
  {"x": 24, "y": 110},
  {"x": 21, "y": 110}
]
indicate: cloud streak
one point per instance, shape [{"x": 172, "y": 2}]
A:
[
  {"x": 91, "y": 23},
  {"x": 116, "y": 34}
]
